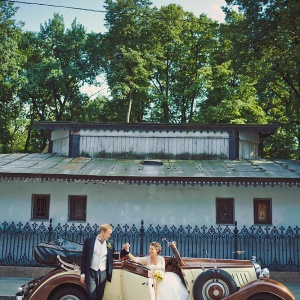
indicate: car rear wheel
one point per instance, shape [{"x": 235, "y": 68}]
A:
[
  {"x": 69, "y": 293},
  {"x": 264, "y": 296},
  {"x": 213, "y": 284}
]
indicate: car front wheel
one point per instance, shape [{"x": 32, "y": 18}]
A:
[
  {"x": 213, "y": 284},
  {"x": 264, "y": 296},
  {"x": 69, "y": 293}
]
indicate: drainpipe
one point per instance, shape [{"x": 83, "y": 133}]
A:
[
  {"x": 74, "y": 143},
  {"x": 234, "y": 148}
]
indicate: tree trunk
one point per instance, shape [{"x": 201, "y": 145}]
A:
[{"x": 129, "y": 108}]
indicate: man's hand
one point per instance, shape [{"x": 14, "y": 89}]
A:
[
  {"x": 126, "y": 247},
  {"x": 125, "y": 250},
  {"x": 82, "y": 279}
]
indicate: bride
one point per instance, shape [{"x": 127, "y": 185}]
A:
[{"x": 168, "y": 285}]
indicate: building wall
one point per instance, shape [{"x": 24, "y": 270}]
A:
[
  {"x": 183, "y": 145},
  {"x": 155, "y": 204},
  {"x": 155, "y": 144},
  {"x": 60, "y": 140},
  {"x": 248, "y": 145}
]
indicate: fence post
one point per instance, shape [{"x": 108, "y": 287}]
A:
[
  {"x": 235, "y": 232},
  {"x": 142, "y": 232},
  {"x": 50, "y": 229}
]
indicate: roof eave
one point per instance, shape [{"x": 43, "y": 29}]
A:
[
  {"x": 72, "y": 178},
  {"x": 262, "y": 129}
]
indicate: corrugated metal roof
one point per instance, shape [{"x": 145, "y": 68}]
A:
[
  {"x": 54, "y": 166},
  {"x": 48, "y": 125}
]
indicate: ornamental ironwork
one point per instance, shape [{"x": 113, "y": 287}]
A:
[{"x": 275, "y": 248}]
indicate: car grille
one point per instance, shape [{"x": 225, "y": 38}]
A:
[{"x": 241, "y": 278}]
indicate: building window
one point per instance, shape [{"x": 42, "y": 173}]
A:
[
  {"x": 262, "y": 211},
  {"x": 40, "y": 207},
  {"x": 224, "y": 210},
  {"x": 77, "y": 208}
]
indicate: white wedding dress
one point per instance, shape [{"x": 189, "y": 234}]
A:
[{"x": 171, "y": 287}]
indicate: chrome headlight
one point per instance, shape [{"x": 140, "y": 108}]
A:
[
  {"x": 257, "y": 269},
  {"x": 265, "y": 273},
  {"x": 26, "y": 288},
  {"x": 260, "y": 273},
  {"x": 257, "y": 266}
]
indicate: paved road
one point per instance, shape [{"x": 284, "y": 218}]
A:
[{"x": 9, "y": 287}]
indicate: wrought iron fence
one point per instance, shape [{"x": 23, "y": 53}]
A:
[{"x": 275, "y": 248}]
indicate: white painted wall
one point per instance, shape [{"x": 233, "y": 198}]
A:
[
  {"x": 60, "y": 140},
  {"x": 248, "y": 145},
  {"x": 157, "y": 205},
  {"x": 96, "y": 143},
  {"x": 144, "y": 143}
]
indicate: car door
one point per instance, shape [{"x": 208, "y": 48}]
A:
[{"x": 135, "y": 284}]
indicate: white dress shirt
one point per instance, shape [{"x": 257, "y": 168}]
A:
[{"x": 99, "y": 255}]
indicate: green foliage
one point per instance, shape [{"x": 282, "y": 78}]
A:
[
  {"x": 99, "y": 109},
  {"x": 10, "y": 80},
  {"x": 161, "y": 65},
  {"x": 127, "y": 60},
  {"x": 182, "y": 66},
  {"x": 266, "y": 37},
  {"x": 282, "y": 145},
  {"x": 57, "y": 67},
  {"x": 59, "y": 62}
]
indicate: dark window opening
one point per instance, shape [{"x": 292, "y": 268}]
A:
[
  {"x": 262, "y": 211},
  {"x": 77, "y": 208},
  {"x": 224, "y": 210},
  {"x": 40, "y": 207}
]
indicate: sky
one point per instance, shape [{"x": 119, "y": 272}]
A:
[{"x": 33, "y": 15}]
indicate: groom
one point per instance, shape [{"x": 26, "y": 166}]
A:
[{"x": 97, "y": 262}]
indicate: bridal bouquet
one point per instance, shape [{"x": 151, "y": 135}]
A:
[{"x": 158, "y": 275}]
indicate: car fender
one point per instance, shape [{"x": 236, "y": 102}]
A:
[
  {"x": 263, "y": 285},
  {"x": 54, "y": 280}
]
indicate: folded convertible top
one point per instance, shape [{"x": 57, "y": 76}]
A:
[{"x": 46, "y": 253}]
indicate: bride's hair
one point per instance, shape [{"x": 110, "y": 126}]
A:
[{"x": 157, "y": 246}]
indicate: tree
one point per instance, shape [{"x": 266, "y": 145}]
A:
[
  {"x": 156, "y": 60},
  {"x": 191, "y": 76},
  {"x": 167, "y": 26},
  {"x": 10, "y": 80},
  {"x": 59, "y": 62},
  {"x": 127, "y": 57},
  {"x": 232, "y": 96},
  {"x": 270, "y": 53},
  {"x": 58, "y": 65},
  {"x": 180, "y": 44}
]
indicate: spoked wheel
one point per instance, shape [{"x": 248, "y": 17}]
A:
[{"x": 213, "y": 284}]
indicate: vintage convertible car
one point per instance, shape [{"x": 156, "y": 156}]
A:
[{"x": 205, "y": 278}]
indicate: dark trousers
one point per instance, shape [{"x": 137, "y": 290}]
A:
[{"x": 96, "y": 284}]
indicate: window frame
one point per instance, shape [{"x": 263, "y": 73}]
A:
[
  {"x": 229, "y": 201},
  {"x": 34, "y": 206},
  {"x": 71, "y": 208},
  {"x": 268, "y": 218}
]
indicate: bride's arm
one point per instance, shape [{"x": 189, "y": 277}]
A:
[
  {"x": 163, "y": 263},
  {"x": 125, "y": 252},
  {"x": 132, "y": 257}
]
